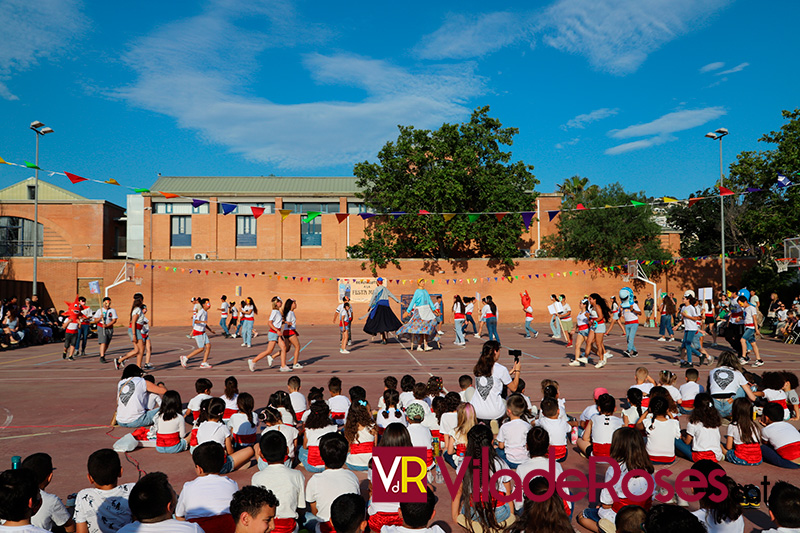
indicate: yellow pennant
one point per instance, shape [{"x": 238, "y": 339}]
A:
[
  {"x": 3, "y": 161},
  {"x": 112, "y": 181},
  {"x": 448, "y": 217},
  {"x": 669, "y": 199},
  {"x": 285, "y": 213}
]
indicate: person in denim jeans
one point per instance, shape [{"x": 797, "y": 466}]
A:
[
  {"x": 491, "y": 319},
  {"x": 667, "y": 312}
]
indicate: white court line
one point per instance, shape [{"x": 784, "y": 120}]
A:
[
  {"x": 409, "y": 353},
  {"x": 9, "y": 418},
  {"x": 52, "y": 432}
]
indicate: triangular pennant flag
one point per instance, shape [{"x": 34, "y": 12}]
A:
[
  {"x": 783, "y": 181},
  {"x": 257, "y": 211},
  {"x": 724, "y": 191},
  {"x": 227, "y": 208},
  {"x": 500, "y": 216},
  {"x": 754, "y": 189},
  {"x": 197, "y": 202},
  {"x": 527, "y": 217},
  {"x": 72, "y": 177},
  {"x": 169, "y": 195},
  {"x": 141, "y": 190},
  {"x": 552, "y": 214},
  {"x": 397, "y": 214},
  {"x": 472, "y": 218},
  {"x": 285, "y": 213},
  {"x": 669, "y": 199},
  {"x": 365, "y": 216},
  {"x": 423, "y": 212},
  {"x": 341, "y": 217},
  {"x": 4, "y": 162},
  {"x": 634, "y": 202},
  {"x": 580, "y": 207},
  {"x": 311, "y": 216},
  {"x": 31, "y": 165},
  {"x": 448, "y": 216},
  {"x": 693, "y": 201},
  {"x": 112, "y": 181}
]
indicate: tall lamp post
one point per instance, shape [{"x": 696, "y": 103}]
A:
[
  {"x": 718, "y": 135},
  {"x": 40, "y": 130}
]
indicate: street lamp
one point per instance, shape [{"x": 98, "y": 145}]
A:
[
  {"x": 718, "y": 135},
  {"x": 40, "y": 130}
]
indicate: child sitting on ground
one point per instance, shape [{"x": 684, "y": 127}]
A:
[
  {"x": 783, "y": 503},
  {"x": 19, "y": 500},
  {"x": 743, "y": 439},
  {"x": 511, "y": 437},
  {"x": 243, "y": 425},
  {"x": 104, "y": 502},
  {"x": 406, "y": 390},
  {"x": 152, "y": 502},
  {"x": 596, "y": 439},
  {"x": 272, "y": 419},
  {"x": 52, "y": 512},
  {"x": 792, "y": 398},
  {"x": 416, "y": 516},
  {"x": 689, "y": 391},
  {"x": 391, "y": 411},
  {"x": 467, "y": 390},
  {"x": 347, "y": 513},
  {"x": 558, "y": 428},
  {"x": 338, "y": 404},
  {"x": 253, "y": 509},
  {"x": 205, "y": 500},
  {"x": 389, "y": 383},
  {"x": 203, "y": 388},
  {"x": 702, "y": 432},
  {"x": 644, "y": 383},
  {"x": 782, "y": 437},
  {"x": 667, "y": 380},
  {"x": 299, "y": 404},
  {"x": 630, "y": 519},
  {"x": 214, "y": 430},
  {"x": 318, "y": 424},
  {"x": 286, "y": 483},
  {"x": 590, "y": 410},
  {"x": 420, "y": 435},
  {"x": 361, "y": 433},
  {"x": 661, "y": 431},
  {"x": 326, "y": 486},
  {"x": 170, "y": 425}
]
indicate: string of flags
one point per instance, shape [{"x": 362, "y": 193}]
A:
[
  {"x": 527, "y": 216},
  {"x": 614, "y": 269}
]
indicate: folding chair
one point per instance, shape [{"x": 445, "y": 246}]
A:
[{"x": 793, "y": 336}]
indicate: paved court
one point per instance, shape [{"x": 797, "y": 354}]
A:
[{"x": 64, "y": 408}]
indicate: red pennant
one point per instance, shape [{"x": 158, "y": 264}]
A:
[
  {"x": 581, "y": 207},
  {"x": 693, "y": 201},
  {"x": 74, "y": 178},
  {"x": 257, "y": 211},
  {"x": 724, "y": 191},
  {"x": 341, "y": 217},
  {"x": 169, "y": 194},
  {"x": 423, "y": 212},
  {"x": 500, "y": 216}
]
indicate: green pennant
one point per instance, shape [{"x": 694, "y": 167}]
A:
[
  {"x": 472, "y": 218},
  {"x": 311, "y": 216},
  {"x": 141, "y": 190},
  {"x": 634, "y": 202},
  {"x": 31, "y": 165}
]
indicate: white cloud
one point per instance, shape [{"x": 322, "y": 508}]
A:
[
  {"x": 618, "y": 35},
  {"x": 582, "y": 120},
  {"x": 738, "y": 68},
  {"x": 33, "y": 30},
  {"x": 571, "y": 142},
  {"x": 660, "y": 130},
  {"x": 199, "y": 70},
  {"x": 464, "y": 36},
  {"x": 711, "y": 66}
]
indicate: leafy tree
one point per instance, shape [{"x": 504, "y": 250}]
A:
[
  {"x": 459, "y": 168},
  {"x": 700, "y": 224},
  {"x": 606, "y": 236},
  {"x": 574, "y": 188}
]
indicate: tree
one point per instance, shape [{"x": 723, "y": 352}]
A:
[
  {"x": 574, "y": 188},
  {"x": 606, "y": 236},
  {"x": 700, "y": 224},
  {"x": 459, "y": 168}
]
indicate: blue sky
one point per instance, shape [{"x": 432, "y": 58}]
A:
[{"x": 614, "y": 90}]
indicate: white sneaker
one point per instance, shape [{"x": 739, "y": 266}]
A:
[
  {"x": 184, "y": 360},
  {"x": 575, "y": 363},
  {"x": 609, "y": 355},
  {"x": 428, "y": 348},
  {"x": 251, "y": 365},
  {"x": 286, "y": 369},
  {"x": 343, "y": 351},
  {"x": 584, "y": 360},
  {"x": 671, "y": 339},
  {"x": 419, "y": 348},
  {"x": 601, "y": 364},
  {"x": 244, "y": 344},
  {"x": 440, "y": 332},
  {"x": 269, "y": 361},
  {"x": 349, "y": 343},
  {"x": 233, "y": 335},
  {"x": 477, "y": 336},
  {"x": 297, "y": 366},
  {"x": 662, "y": 339},
  {"x": 204, "y": 365}
]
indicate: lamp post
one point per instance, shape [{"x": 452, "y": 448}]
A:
[
  {"x": 40, "y": 130},
  {"x": 718, "y": 135}
]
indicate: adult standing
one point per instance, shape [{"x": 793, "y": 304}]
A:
[
  {"x": 772, "y": 310},
  {"x": 105, "y": 318},
  {"x": 726, "y": 383},
  {"x": 249, "y": 312},
  {"x": 691, "y": 325},
  {"x": 490, "y": 377},
  {"x": 459, "y": 315},
  {"x": 381, "y": 318},
  {"x": 132, "y": 392},
  {"x": 648, "y": 311},
  {"x": 667, "y": 312},
  {"x": 490, "y": 312},
  {"x": 422, "y": 321},
  {"x": 599, "y": 314},
  {"x": 565, "y": 319},
  {"x": 555, "y": 323},
  {"x": 135, "y": 326}
]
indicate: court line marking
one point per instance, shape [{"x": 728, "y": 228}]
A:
[
  {"x": 9, "y": 418},
  {"x": 52, "y": 432}
]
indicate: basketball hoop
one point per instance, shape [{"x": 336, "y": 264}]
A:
[
  {"x": 783, "y": 264},
  {"x": 137, "y": 281},
  {"x": 626, "y": 278}
]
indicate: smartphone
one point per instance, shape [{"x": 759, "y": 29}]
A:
[{"x": 516, "y": 354}]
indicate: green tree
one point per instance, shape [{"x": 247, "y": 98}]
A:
[
  {"x": 700, "y": 224},
  {"x": 606, "y": 236},
  {"x": 573, "y": 189},
  {"x": 459, "y": 168}
]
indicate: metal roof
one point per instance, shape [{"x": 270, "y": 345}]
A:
[
  {"x": 256, "y": 185},
  {"x": 47, "y": 191}
]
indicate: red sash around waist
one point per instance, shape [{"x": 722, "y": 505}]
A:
[
  {"x": 790, "y": 451},
  {"x": 748, "y": 452},
  {"x": 429, "y": 458},
  {"x": 601, "y": 449},
  {"x": 289, "y": 332},
  {"x": 165, "y": 440},
  {"x": 622, "y": 502},
  {"x": 560, "y": 451},
  {"x": 275, "y": 331},
  {"x": 223, "y": 523},
  {"x": 583, "y": 327},
  {"x": 284, "y": 525},
  {"x": 244, "y": 439},
  {"x": 711, "y": 456},
  {"x": 139, "y": 326},
  {"x": 250, "y": 318},
  {"x": 314, "y": 458},
  {"x": 628, "y": 322},
  {"x": 361, "y": 447},
  {"x": 326, "y": 527},
  {"x": 229, "y": 413},
  {"x": 193, "y": 437},
  {"x": 662, "y": 459},
  {"x": 688, "y": 404},
  {"x": 459, "y": 316},
  {"x": 782, "y": 402},
  {"x": 195, "y": 415},
  {"x": 646, "y": 401},
  {"x": 461, "y": 449},
  {"x": 378, "y": 520},
  {"x": 490, "y": 315},
  {"x": 598, "y": 321},
  {"x": 299, "y": 416},
  {"x": 528, "y": 315},
  {"x": 337, "y": 416}
]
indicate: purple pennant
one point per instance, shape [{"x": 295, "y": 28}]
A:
[
  {"x": 365, "y": 216},
  {"x": 227, "y": 208},
  {"x": 397, "y": 214},
  {"x": 197, "y": 203},
  {"x": 527, "y": 217},
  {"x": 553, "y": 214},
  {"x": 754, "y": 189}
]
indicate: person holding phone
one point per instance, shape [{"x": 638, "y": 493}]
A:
[{"x": 490, "y": 377}]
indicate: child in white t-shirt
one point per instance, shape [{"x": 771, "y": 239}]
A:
[
  {"x": 416, "y": 517},
  {"x": 406, "y": 390},
  {"x": 391, "y": 411},
  {"x": 287, "y": 484},
  {"x": 272, "y": 419},
  {"x": 702, "y": 431},
  {"x": 599, "y": 431},
  {"x": 689, "y": 391},
  {"x": 52, "y": 512},
  {"x": 338, "y": 403},
  {"x": 214, "y": 430},
  {"x": 661, "y": 430},
  {"x": 781, "y": 436},
  {"x": 644, "y": 383},
  {"x": 206, "y": 499},
  {"x": 420, "y": 435},
  {"x": 299, "y": 404},
  {"x": 203, "y": 389},
  {"x": 513, "y": 433},
  {"x": 324, "y": 487},
  {"x": 244, "y": 423},
  {"x": 558, "y": 428},
  {"x": 103, "y": 507},
  {"x": 467, "y": 390}
]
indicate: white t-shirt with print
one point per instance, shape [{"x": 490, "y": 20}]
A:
[
  {"x": 165, "y": 526},
  {"x": 131, "y": 399},
  {"x": 725, "y": 380},
  {"x": 104, "y": 511},
  {"x": 487, "y": 401}
]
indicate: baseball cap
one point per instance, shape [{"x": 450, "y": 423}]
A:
[
  {"x": 415, "y": 411},
  {"x": 599, "y": 391}
]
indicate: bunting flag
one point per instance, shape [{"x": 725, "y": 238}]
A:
[
  {"x": 693, "y": 201},
  {"x": 341, "y": 217},
  {"x": 285, "y": 213},
  {"x": 473, "y": 218},
  {"x": 141, "y": 190},
  {"x": 500, "y": 216},
  {"x": 580, "y": 207},
  {"x": 112, "y": 181},
  {"x": 311, "y": 216},
  {"x": 74, "y": 178},
  {"x": 553, "y": 214},
  {"x": 365, "y": 216},
  {"x": 31, "y": 165},
  {"x": 397, "y": 214},
  {"x": 449, "y": 216},
  {"x": 724, "y": 191},
  {"x": 3, "y": 161},
  {"x": 783, "y": 181},
  {"x": 527, "y": 217},
  {"x": 257, "y": 211},
  {"x": 168, "y": 194},
  {"x": 669, "y": 199},
  {"x": 423, "y": 212},
  {"x": 228, "y": 208},
  {"x": 634, "y": 202},
  {"x": 754, "y": 189},
  {"x": 197, "y": 203}
]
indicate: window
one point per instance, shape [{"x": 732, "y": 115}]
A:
[
  {"x": 311, "y": 207},
  {"x": 246, "y": 230},
  {"x": 31, "y": 192},
  {"x": 243, "y": 208},
  {"x": 181, "y": 230},
  {"x": 179, "y": 208},
  {"x": 311, "y": 232},
  {"x": 16, "y": 237}
]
